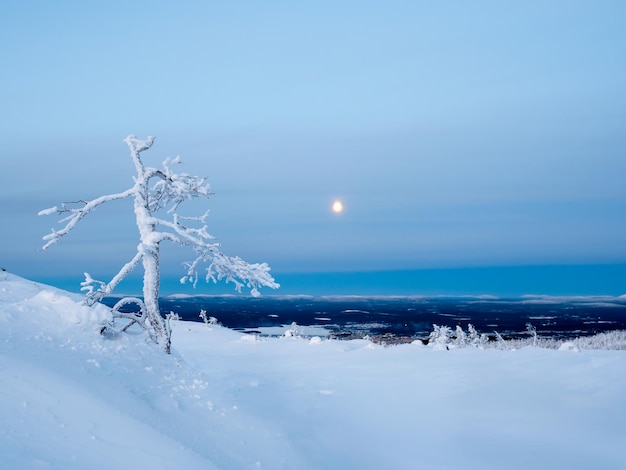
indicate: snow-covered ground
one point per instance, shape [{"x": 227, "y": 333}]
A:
[{"x": 70, "y": 398}]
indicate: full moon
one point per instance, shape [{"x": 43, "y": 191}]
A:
[{"x": 337, "y": 207}]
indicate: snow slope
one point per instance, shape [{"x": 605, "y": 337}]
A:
[{"x": 73, "y": 399}]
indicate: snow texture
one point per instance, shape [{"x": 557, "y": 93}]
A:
[{"x": 73, "y": 399}]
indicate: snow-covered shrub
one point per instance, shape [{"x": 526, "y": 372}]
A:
[
  {"x": 173, "y": 316},
  {"x": 474, "y": 339},
  {"x": 440, "y": 337},
  {"x": 294, "y": 331},
  {"x": 615, "y": 340},
  {"x": 568, "y": 346},
  {"x": 207, "y": 319},
  {"x": 532, "y": 331},
  {"x": 460, "y": 338}
]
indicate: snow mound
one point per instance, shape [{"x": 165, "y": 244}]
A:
[
  {"x": 72, "y": 399},
  {"x": 569, "y": 346},
  {"x": 37, "y": 304}
]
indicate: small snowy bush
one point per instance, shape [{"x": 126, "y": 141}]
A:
[
  {"x": 294, "y": 331},
  {"x": 474, "y": 339},
  {"x": 207, "y": 319},
  {"x": 532, "y": 331},
  {"x": 440, "y": 337}
]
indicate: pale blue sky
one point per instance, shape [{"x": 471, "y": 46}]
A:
[{"x": 458, "y": 134}]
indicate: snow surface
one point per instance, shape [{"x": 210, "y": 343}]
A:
[{"x": 72, "y": 399}]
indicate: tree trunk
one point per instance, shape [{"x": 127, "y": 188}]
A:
[
  {"x": 151, "y": 279},
  {"x": 149, "y": 249}
]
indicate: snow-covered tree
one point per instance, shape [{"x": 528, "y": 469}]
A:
[
  {"x": 440, "y": 337},
  {"x": 155, "y": 190}
]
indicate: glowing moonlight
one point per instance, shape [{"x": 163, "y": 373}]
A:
[{"x": 337, "y": 207}]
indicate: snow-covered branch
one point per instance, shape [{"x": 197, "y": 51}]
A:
[
  {"x": 76, "y": 214},
  {"x": 175, "y": 188},
  {"x": 137, "y": 145},
  {"x": 239, "y": 272},
  {"x": 231, "y": 269},
  {"x": 105, "y": 289},
  {"x": 189, "y": 236},
  {"x": 221, "y": 266}
]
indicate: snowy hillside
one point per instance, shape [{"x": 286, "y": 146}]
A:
[{"x": 73, "y": 399}]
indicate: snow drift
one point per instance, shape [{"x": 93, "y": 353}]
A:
[{"x": 71, "y": 398}]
